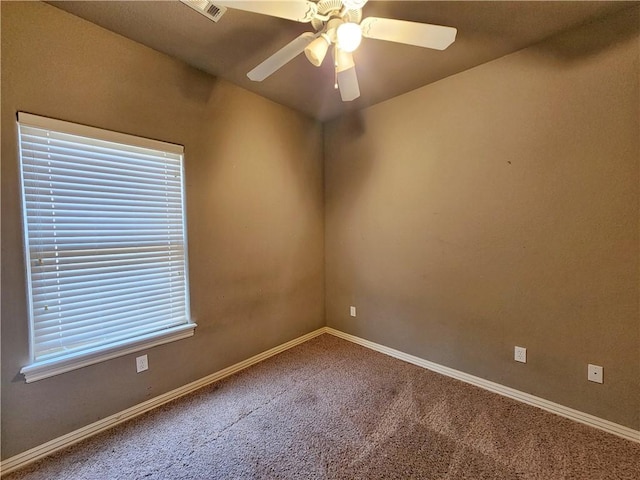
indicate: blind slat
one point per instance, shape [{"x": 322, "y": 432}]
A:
[
  {"x": 98, "y": 194},
  {"x": 88, "y": 216},
  {"x": 45, "y": 162},
  {"x": 117, "y": 254}
]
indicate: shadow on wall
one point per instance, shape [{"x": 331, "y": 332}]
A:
[
  {"x": 196, "y": 86},
  {"x": 585, "y": 42},
  {"x": 348, "y": 130},
  {"x": 354, "y": 124}
]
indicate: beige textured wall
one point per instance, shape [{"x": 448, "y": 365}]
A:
[
  {"x": 499, "y": 207},
  {"x": 254, "y": 201}
]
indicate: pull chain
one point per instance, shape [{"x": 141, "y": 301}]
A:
[{"x": 335, "y": 65}]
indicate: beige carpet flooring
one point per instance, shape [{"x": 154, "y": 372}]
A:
[{"x": 329, "y": 409}]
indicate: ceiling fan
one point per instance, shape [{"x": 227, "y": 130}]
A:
[{"x": 337, "y": 24}]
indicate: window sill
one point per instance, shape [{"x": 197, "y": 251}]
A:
[{"x": 49, "y": 368}]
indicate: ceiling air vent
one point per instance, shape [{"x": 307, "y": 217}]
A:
[{"x": 208, "y": 9}]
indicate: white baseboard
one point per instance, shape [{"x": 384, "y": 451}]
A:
[
  {"x": 36, "y": 453},
  {"x": 578, "y": 416}
]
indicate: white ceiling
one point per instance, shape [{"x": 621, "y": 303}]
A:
[{"x": 241, "y": 40}]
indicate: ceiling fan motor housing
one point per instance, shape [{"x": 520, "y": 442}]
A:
[{"x": 333, "y": 8}]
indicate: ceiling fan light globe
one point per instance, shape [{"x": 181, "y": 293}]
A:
[
  {"x": 316, "y": 50},
  {"x": 349, "y": 36}
]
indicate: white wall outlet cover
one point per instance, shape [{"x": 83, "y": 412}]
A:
[
  {"x": 595, "y": 373},
  {"x": 352, "y": 311},
  {"x": 520, "y": 354},
  {"x": 142, "y": 363}
]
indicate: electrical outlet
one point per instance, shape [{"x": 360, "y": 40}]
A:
[
  {"x": 595, "y": 373},
  {"x": 352, "y": 311},
  {"x": 142, "y": 363},
  {"x": 520, "y": 354}
]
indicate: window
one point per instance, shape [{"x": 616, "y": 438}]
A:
[{"x": 105, "y": 242}]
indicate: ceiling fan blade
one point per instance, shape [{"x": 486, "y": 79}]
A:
[
  {"x": 420, "y": 34},
  {"x": 297, "y": 10},
  {"x": 348, "y": 84},
  {"x": 281, "y": 57}
]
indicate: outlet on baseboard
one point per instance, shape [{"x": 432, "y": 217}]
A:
[{"x": 520, "y": 354}]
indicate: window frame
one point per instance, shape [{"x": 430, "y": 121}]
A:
[{"x": 39, "y": 369}]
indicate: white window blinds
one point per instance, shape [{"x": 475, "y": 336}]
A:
[{"x": 105, "y": 239}]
